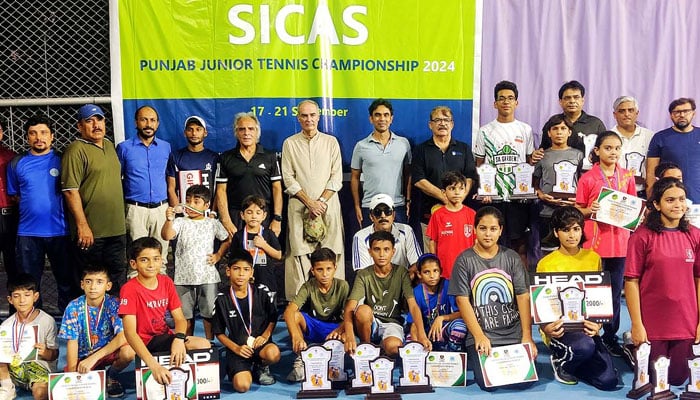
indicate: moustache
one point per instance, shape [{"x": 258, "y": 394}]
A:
[{"x": 381, "y": 221}]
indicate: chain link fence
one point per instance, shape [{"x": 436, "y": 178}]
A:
[{"x": 54, "y": 57}]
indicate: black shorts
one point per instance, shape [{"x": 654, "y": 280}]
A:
[
  {"x": 236, "y": 363},
  {"x": 161, "y": 343}
]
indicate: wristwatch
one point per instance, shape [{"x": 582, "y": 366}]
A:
[
  {"x": 322, "y": 199},
  {"x": 277, "y": 217},
  {"x": 181, "y": 335}
]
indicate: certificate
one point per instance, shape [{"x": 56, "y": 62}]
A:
[
  {"x": 619, "y": 209},
  {"x": 182, "y": 384},
  {"x": 557, "y": 296},
  {"x": 693, "y": 215},
  {"x": 26, "y": 344},
  {"x": 506, "y": 365},
  {"x": 76, "y": 386},
  {"x": 447, "y": 368}
]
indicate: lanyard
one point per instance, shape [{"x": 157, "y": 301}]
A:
[
  {"x": 248, "y": 328},
  {"x": 245, "y": 244},
  {"x": 434, "y": 312},
  {"x": 18, "y": 331},
  {"x": 92, "y": 335},
  {"x": 616, "y": 174}
]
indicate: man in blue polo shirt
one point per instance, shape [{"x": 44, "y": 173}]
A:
[
  {"x": 34, "y": 178},
  {"x": 143, "y": 159}
]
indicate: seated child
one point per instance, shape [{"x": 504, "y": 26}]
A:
[
  {"x": 145, "y": 300},
  {"x": 248, "y": 313},
  {"x": 374, "y": 304},
  {"x": 500, "y": 314},
  {"x": 575, "y": 355},
  {"x": 441, "y": 319},
  {"x": 32, "y": 375},
  {"x": 315, "y": 314},
  {"x": 94, "y": 332},
  {"x": 196, "y": 277},
  {"x": 261, "y": 243}
]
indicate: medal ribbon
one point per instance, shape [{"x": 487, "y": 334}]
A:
[
  {"x": 426, "y": 296},
  {"x": 245, "y": 243},
  {"x": 18, "y": 331},
  {"x": 616, "y": 174},
  {"x": 97, "y": 324},
  {"x": 248, "y": 328}
]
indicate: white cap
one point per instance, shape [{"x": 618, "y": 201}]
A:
[
  {"x": 381, "y": 199},
  {"x": 196, "y": 120}
]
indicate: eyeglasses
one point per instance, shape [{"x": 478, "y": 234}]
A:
[
  {"x": 378, "y": 211},
  {"x": 509, "y": 99},
  {"x": 439, "y": 120},
  {"x": 678, "y": 113}
]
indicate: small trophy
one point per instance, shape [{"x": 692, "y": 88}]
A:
[
  {"x": 523, "y": 188},
  {"x": 362, "y": 381},
  {"x": 640, "y": 383},
  {"x": 414, "y": 379},
  {"x": 487, "y": 183},
  {"x": 661, "y": 389},
  {"x": 177, "y": 389},
  {"x": 633, "y": 163},
  {"x": 588, "y": 145},
  {"x": 336, "y": 365},
  {"x": 572, "y": 308},
  {"x": 316, "y": 383},
  {"x": 382, "y": 373},
  {"x": 564, "y": 180},
  {"x": 692, "y": 390}
]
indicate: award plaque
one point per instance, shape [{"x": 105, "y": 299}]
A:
[
  {"x": 316, "y": 383},
  {"x": 693, "y": 215},
  {"x": 182, "y": 386},
  {"x": 523, "y": 188},
  {"x": 507, "y": 365},
  {"x": 73, "y": 385},
  {"x": 564, "y": 180},
  {"x": 487, "y": 183},
  {"x": 361, "y": 383},
  {"x": 336, "y": 365},
  {"x": 633, "y": 163},
  {"x": 692, "y": 389},
  {"x": 446, "y": 368},
  {"x": 640, "y": 383},
  {"x": 202, "y": 376},
  {"x": 382, "y": 374},
  {"x": 588, "y": 144},
  {"x": 414, "y": 379},
  {"x": 619, "y": 209},
  {"x": 660, "y": 388},
  {"x": 13, "y": 349}
]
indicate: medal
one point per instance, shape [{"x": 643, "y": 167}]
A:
[
  {"x": 432, "y": 313},
  {"x": 16, "y": 361},
  {"x": 92, "y": 335},
  {"x": 248, "y": 328},
  {"x": 250, "y": 341},
  {"x": 246, "y": 245},
  {"x": 17, "y": 335}
]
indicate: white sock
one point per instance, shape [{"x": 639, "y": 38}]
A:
[{"x": 7, "y": 383}]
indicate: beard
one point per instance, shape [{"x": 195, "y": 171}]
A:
[{"x": 681, "y": 125}]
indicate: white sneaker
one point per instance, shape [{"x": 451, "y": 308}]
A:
[
  {"x": 297, "y": 372},
  {"x": 7, "y": 393}
]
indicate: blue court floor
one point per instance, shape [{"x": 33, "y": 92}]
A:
[{"x": 547, "y": 387}]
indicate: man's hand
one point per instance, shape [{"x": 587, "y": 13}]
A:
[
  {"x": 554, "y": 329},
  {"x": 639, "y": 334},
  {"x": 161, "y": 375},
  {"x": 435, "y": 333},
  {"x": 230, "y": 227},
  {"x": 85, "y": 237},
  {"x": 259, "y": 342},
  {"x": 536, "y": 156},
  {"x": 177, "y": 352},
  {"x": 317, "y": 208},
  {"x": 482, "y": 344},
  {"x": 337, "y": 333},
  {"x": 259, "y": 241},
  {"x": 87, "y": 364},
  {"x": 245, "y": 351},
  {"x": 591, "y": 328},
  {"x": 350, "y": 345},
  {"x": 276, "y": 227}
]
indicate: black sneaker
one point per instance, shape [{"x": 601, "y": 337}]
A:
[
  {"x": 560, "y": 374},
  {"x": 614, "y": 348},
  {"x": 114, "y": 388}
]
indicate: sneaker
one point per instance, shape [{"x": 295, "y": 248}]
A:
[
  {"x": 263, "y": 375},
  {"x": 297, "y": 372},
  {"x": 560, "y": 374},
  {"x": 614, "y": 348},
  {"x": 7, "y": 393},
  {"x": 114, "y": 388}
]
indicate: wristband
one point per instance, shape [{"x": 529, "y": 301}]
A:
[
  {"x": 277, "y": 217},
  {"x": 181, "y": 335},
  {"x": 322, "y": 199}
]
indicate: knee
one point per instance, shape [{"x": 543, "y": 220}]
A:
[
  {"x": 363, "y": 314},
  {"x": 271, "y": 354},
  {"x": 126, "y": 353},
  {"x": 608, "y": 381},
  {"x": 391, "y": 346},
  {"x": 583, "y": 348},
  {"x": 40, "y": 391},
  {"x": 242, "y": 381}
]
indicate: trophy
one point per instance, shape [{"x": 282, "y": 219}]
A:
[
  {"x": 572, "y": 308},
  {"x": 661, "y": 389},
  {"x": 640, "y": 383},
  {"x": 361, "y": 383},
  {"x": 336, "y": 365},
  {"x": 414, "y": 379},
  {"x": 487, "y": 183},
  {"x": 588, "y": 144},
  {"x": 564, "y": 180},
  {"x": 692, "y": 389},
  {"x": 523, "y": 188},
  {"x": 382, "y": 373},
  {"x": 316, "y": 383}
]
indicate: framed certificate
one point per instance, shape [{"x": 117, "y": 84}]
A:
[
  {"x": 507, "y": 365},
  {"x": 73, "y": 385},
  {"x": 619, "y": 209}
]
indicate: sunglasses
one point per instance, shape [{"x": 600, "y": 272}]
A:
[{"x": 378, "y": 211}]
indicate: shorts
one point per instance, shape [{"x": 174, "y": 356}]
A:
[
  {"x": 236, "y": 363},
  {"x": 382, "y": 330},
  {"x": 201, "y": 295},
  {"x": 27, "y": 374},
  {"x": 103, "y": 362},
  {"x": 317, "y": 330},
  {"x": 161, "y": 343}
]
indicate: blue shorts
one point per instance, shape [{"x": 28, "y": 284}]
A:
[{"x": 316, "y": 330}]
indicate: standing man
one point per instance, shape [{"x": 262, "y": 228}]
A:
[
  {"x": 34, "y": 179},
  {"x": 635, "y": 140},
  {"x": 193, "y": 164},
  {"x": 571, "y": 100},
  {"x": 504, "y": 143},
  {"x": 248, "y": 169},
  {"x": 8, "y": 211},
  {"x": 92, "y": 188},
  {"x": 434, "y": 157},
  {"x": 679, "y": 144},
  {"x": 313, "y": 175},
  {"x": 143, "y": 161},
  {"x": 383, "y": 159}
]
